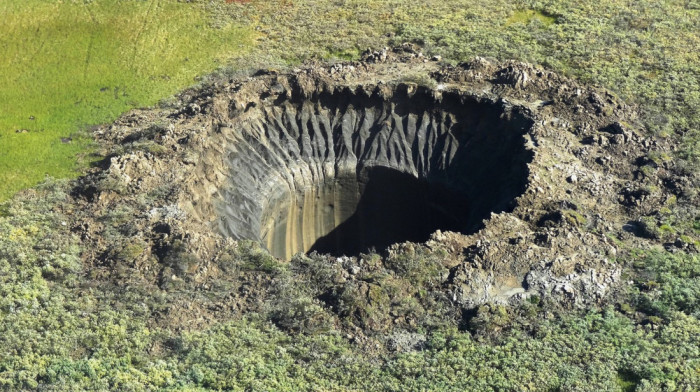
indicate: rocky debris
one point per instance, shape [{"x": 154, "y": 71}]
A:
[
  {"x": 376, "y": 56},
  {"x": 404, "y": 341},
  {"x": 517, "y": 77},
  {"x": 187, "y": 175}
]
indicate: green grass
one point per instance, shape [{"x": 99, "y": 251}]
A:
[
  {"x": 527, "y": 16},
  {"x": 68, "y": 65}
]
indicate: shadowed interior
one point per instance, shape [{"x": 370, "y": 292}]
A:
[
  {"x": 394, "y": 207},
  {"x": 343, "y": 173}
]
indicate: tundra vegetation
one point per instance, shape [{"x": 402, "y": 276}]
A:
[{"x": 67, "y": 65}]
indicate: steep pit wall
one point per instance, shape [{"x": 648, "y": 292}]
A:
[{"x": 345, "y": 171}]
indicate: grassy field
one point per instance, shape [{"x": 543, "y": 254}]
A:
[{"x": 66, "y": 65}]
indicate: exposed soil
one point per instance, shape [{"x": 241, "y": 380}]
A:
[
  {"x": 353, "y": 169},
  {"x": 521, "y": 178}
]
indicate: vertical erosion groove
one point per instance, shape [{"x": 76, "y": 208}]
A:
[{"x": 342, "y": 173}]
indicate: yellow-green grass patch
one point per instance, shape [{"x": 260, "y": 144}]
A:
[
  {"x": 527, "y": 16},
  {"x": 69, "y": 64}
]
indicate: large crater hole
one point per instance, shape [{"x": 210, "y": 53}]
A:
[{"x": 345, "y": 172}]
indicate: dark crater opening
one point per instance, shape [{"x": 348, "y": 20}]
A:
[
  {"x": 395, "y": 207},
  {"x": 353, "y": 170}
]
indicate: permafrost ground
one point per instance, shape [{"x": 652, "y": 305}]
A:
[
  {"x": 516, "y": 177},
  {"x": 346, "y": 171}
]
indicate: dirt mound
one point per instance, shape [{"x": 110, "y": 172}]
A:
[{"x": 515, "y": 174}]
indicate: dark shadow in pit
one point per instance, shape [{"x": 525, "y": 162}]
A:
[
  {"x": 487, "y": 174},
  {"x": 395, "y": 207},
  {"x": 468, "y": 156}
]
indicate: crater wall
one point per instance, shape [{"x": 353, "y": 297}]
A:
[
  {"x": 513, "y": 179},
  {"x": 345, "y": 171}
]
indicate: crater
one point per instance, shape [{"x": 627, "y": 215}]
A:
[
  {"x": 517, "y": 166},
  {"x": 357, "y": 169}
]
